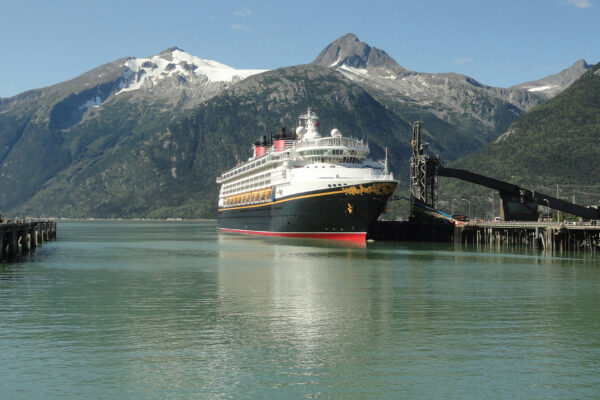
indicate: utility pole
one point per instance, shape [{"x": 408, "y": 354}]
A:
[
  {"x": 557, "y": 211},
  {"x": 469, "y": 214}
]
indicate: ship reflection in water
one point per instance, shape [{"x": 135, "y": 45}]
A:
[{"x": 305, "y": 298}]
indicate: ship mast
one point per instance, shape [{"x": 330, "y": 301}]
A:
[{"x": 310, "y": 121}]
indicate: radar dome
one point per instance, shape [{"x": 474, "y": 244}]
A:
[
  {"x": 336, "y": 133},
  {"x": 300, "y": 131}
]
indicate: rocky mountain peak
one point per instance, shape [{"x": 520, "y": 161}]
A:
[
  {"x": 349, "y": 51},
  {"x": 551, "y": 85},
  {"x": 172, "y": 49},
  {"x": 168, "y": 53},
  {"x": 581, "y": 64}
]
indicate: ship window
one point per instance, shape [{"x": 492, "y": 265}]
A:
[{"x": 329, "y": 185}]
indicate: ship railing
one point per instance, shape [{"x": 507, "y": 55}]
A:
[
  {"x": 332, "y": 142},
  {"x": 380, "y": 176}
]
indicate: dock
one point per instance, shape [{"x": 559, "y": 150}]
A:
[
  {"x": 553, "y": 236},
  {"x": 20, "y": 236},
  {"x": 520, "y": 222}
]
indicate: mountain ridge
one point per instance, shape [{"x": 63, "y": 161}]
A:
[
  {"x": 552, "y": 85},
  {"x": 552, "y": 149},
  {"x": 154, "y": 149}
]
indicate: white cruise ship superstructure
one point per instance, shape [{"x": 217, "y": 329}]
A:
[{"x": 300, "y": 184}]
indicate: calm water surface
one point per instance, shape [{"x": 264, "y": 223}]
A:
[{"x": 122, "y": 310}]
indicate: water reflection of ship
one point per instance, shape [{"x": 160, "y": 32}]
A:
[{"x": 297, "y": 295}]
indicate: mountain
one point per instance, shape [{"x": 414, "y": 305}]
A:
[
  {"x": 555, "y": 145},
  {"x": 349, "y": 52},
  {"x": 173, "y": 77},
  {"x": 557, "y": 142},
  {"x": 470, "y": 112},
  {"x": 47, "y": 134},
  {"x": 147, "y": 137},
  {"x": 172, "y": 172},
  {"x": 552, "y": 85},
  {"x": 179, "y": 77}
]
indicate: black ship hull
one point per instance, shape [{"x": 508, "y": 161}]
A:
[{"x": 340, "y": 213}]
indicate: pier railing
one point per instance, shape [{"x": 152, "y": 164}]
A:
[{"x": 532, "y": 224}]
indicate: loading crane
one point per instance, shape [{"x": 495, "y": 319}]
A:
[{"x": 517, "y": 203}]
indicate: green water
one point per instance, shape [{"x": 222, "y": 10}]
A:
[{"x": 121, "y": 310}]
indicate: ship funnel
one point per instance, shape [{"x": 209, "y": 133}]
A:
[{"x": 260, "y": 147}]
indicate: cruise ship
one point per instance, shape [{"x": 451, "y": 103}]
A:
[{"x": 302, "y": 184}]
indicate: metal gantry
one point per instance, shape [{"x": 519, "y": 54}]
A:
[{"x": 423, "y": 171}]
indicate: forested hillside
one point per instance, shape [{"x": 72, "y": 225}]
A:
[{"x": 557, "y": 143}]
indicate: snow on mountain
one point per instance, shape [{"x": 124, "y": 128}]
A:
[
  {"x": 95, "y": 101},
  {"x": 355, "y": 71},
  {"x": 177, "y": 64},
  {"x": 449, "y": 97},
  {"x": 541, "y": 88}
]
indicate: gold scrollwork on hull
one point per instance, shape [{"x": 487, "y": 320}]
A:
[
  {"x": 381, "y": 189},
  {"x": 350, "y": 208}
]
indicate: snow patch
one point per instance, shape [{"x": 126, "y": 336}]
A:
[
  {"x": 336, "y": 62},
  {"x": 93, "y": 102},
  {"x": 144, "y": 71},
  {"x": 357, "y": 71},
  {"x": 541, "y": 88}
]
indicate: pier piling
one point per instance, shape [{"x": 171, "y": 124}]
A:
[
  {"x": 552, "y": 236},
  {"x": 20, "y": 237}
]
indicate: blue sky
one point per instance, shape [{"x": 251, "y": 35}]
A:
[{"x": 499, "y": 43}]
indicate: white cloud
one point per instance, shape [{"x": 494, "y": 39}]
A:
[
  {"x": 580, "y": 3},
  {"x": 463, "y": 60},
  {"x": 244, "y": 12},
  {"x": 239, "y": 27}
]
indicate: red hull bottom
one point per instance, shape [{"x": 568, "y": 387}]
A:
[{"x": 353, "y": 236}]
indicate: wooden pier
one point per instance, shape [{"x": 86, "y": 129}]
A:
[
  {"x": 19, "y": 237},
  {"x": 553, "y": 236}
]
